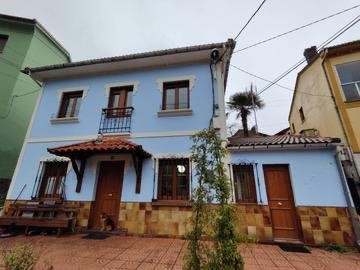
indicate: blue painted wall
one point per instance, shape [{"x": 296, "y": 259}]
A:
[
  {"x": 34, "y": 152},
  {"x": 147, "y": 102},
  {"x": 314, "y": 174}
]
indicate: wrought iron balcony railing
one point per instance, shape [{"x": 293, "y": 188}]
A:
[{"x": 115, "y": 120}]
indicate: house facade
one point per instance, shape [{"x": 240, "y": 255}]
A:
[
  {"x": 114, "y": 135},
  {"x": 23, "y": 42},
  {"x": 326, "y": 102},
  {"x": 292, "y": 188}
]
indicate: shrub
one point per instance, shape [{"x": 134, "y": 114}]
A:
[{"x": 21, "y": 257}]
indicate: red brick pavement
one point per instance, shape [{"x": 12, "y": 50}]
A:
[{"x": 119, "y": 252}]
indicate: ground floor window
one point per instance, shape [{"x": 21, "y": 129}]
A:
[
  {"x": 173, "y": 179},
  {"x": 53, "y": 179},
  {"x": 244, "y": 183}
]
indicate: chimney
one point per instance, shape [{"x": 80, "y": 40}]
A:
[{"x": 310, "y": 53}]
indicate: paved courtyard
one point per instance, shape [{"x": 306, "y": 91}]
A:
[{"x": 125, "y": 252}]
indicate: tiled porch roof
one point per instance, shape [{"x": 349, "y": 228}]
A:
[
  {"x": 104, "y": 144},
  {"x": 280, "y": 140}
]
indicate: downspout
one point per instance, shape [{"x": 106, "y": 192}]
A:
[{"x": 352, "y": 212}]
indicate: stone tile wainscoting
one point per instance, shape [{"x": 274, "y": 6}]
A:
[{"x": 324, "y": 225}]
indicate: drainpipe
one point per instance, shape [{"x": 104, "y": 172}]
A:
[{"x": 352, "y": 212}]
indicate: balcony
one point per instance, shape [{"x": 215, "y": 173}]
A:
[{"x": 116, "y": 120}]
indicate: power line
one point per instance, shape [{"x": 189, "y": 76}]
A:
[
  {"x": 261, "y": 78},
  {"x": 325, "y": 43},
  {"x": 296, "y": 29},
  {"x": 284, "y": 87},
  {"x": 252, "y": 16}
]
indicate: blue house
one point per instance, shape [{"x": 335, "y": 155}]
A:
[{"x": 112, "y": 136}]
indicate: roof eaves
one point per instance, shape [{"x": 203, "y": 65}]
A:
[{"x": 133, "y": 56}]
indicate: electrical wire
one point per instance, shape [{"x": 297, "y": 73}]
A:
[
  {"x": 296, "y": 29},
  {"x": 325, "y": 43},
  {"x": 281, "y": 86},
  {"x": 249, "y": 20}
]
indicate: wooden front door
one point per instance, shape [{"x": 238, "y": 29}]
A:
[
  {"x": 108, "y": 193},
  {"x": 281, "y": 202}
]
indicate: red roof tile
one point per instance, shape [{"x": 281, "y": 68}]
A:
[
  {"x": 280, "y": 140},
  {"x": 105, "y": 144}
]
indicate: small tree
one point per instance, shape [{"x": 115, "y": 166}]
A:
[{"x": 207, "y": 155}]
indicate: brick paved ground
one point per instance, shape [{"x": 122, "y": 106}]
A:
[{"x": 119, "y": 252}]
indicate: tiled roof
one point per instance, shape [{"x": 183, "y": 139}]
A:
[
  {"x": 105, "y": 144},
  {"x": 280, "y": 140}
]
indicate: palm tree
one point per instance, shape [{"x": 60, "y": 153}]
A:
[{"x": 243, "y": 103}]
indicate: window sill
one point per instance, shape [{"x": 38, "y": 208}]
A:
[
  {"x": 352, "y": 101},
  {"x": 64, "y": 120},
  {"x": 171, "y": 203},
  {"x": 170, "y": 113}
]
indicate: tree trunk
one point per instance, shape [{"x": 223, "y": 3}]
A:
[{"x": 244, "y": 114}]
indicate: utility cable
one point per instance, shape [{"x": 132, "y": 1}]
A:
[
  {"x": 296, "y": 29},
  {"x": 325, "y": 43},
  {"x": 249, "y": 20}
]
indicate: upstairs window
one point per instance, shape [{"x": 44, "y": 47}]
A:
[
  {"x": 120, "y": 97},
  {"x": 176, "y": 95},
  {"x": 302, "y": 115},
  {"x": 3, "y": 40},
  {"x": 53, "y": 179},
  {"x": 244, "y": 182},
  {"x": 70, "y": 104},
  {"x": 173, "y": 179},
  {"x": 349, "y": 74}
]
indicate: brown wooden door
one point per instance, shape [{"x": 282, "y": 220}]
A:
[
  {"x": 281, "y": 202},
  {"x": 108, "y": 192}
]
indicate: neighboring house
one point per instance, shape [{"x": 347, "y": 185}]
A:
[
  {"x": 114, "y": 135},
  {"x": 291, "y": 188},
  {"x": 285, "y": 131},
  {"x": 23, "y": 42},
  {"x": 326, "y": 102}
]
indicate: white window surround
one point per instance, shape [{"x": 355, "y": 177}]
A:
[
  {"x": 190, "y": 78},
  {"x": 134, "y": 84},
  {"x": 61, "y": 91},
  {"x": 56, "y": 159},
  {"x": 64, "y": 120}
]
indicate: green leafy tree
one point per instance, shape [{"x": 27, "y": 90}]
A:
[
  {"x": 243, "y": 103},
  {"x": 218, "y": 225}
]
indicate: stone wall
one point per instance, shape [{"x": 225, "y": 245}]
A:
[{"x": 324, "y": 225}]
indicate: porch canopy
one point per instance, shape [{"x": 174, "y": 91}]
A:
[{"x": 79, "y": 152}]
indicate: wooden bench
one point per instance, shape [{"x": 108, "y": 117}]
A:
[{"x": 28, "y": 215}]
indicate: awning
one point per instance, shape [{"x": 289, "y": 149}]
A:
[{"x": 103, "y": 144}]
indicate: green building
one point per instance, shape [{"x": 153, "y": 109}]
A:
[{"x": 23, "y": 43}]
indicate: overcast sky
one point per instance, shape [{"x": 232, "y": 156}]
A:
[{"x": 93, "y": 29}]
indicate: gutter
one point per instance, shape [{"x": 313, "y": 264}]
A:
[{"x": 350, "y": 205}]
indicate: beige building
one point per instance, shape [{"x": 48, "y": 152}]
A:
[{"x": 326, "y": 101}]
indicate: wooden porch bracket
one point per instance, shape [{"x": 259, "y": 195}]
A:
[
  {"x": 138, "y": 162},
  {"x": 78, "y": 171}
]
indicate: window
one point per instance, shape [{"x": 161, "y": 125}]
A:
[
  {"x": 173, "y": 179},
  {"x": 3, "y": 40},
  {"x": 53, "y": 179},
  {"x": 120, "y": 101},
  {"x": 302, "y": 115},
  {"x": 244, "y": 182},
  {"x": 176, "y": 95},
  {"x": 349, "y": 74},
  {"x": 70, "y": 104}
]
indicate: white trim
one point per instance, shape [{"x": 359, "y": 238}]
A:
[
  {"x": 171, "y": 155},
  {"x": 22, "y": 152},
  {"x": 56, "y": 158},
  {"x": 134, "y": 84},
  {"x": 190, "y": 78},
  {"x": 64, "y": 120},
  {"x": 61, "y": 91},
  {"x": 173, "y": 113},
  {"x": 134, "y": 135}
]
